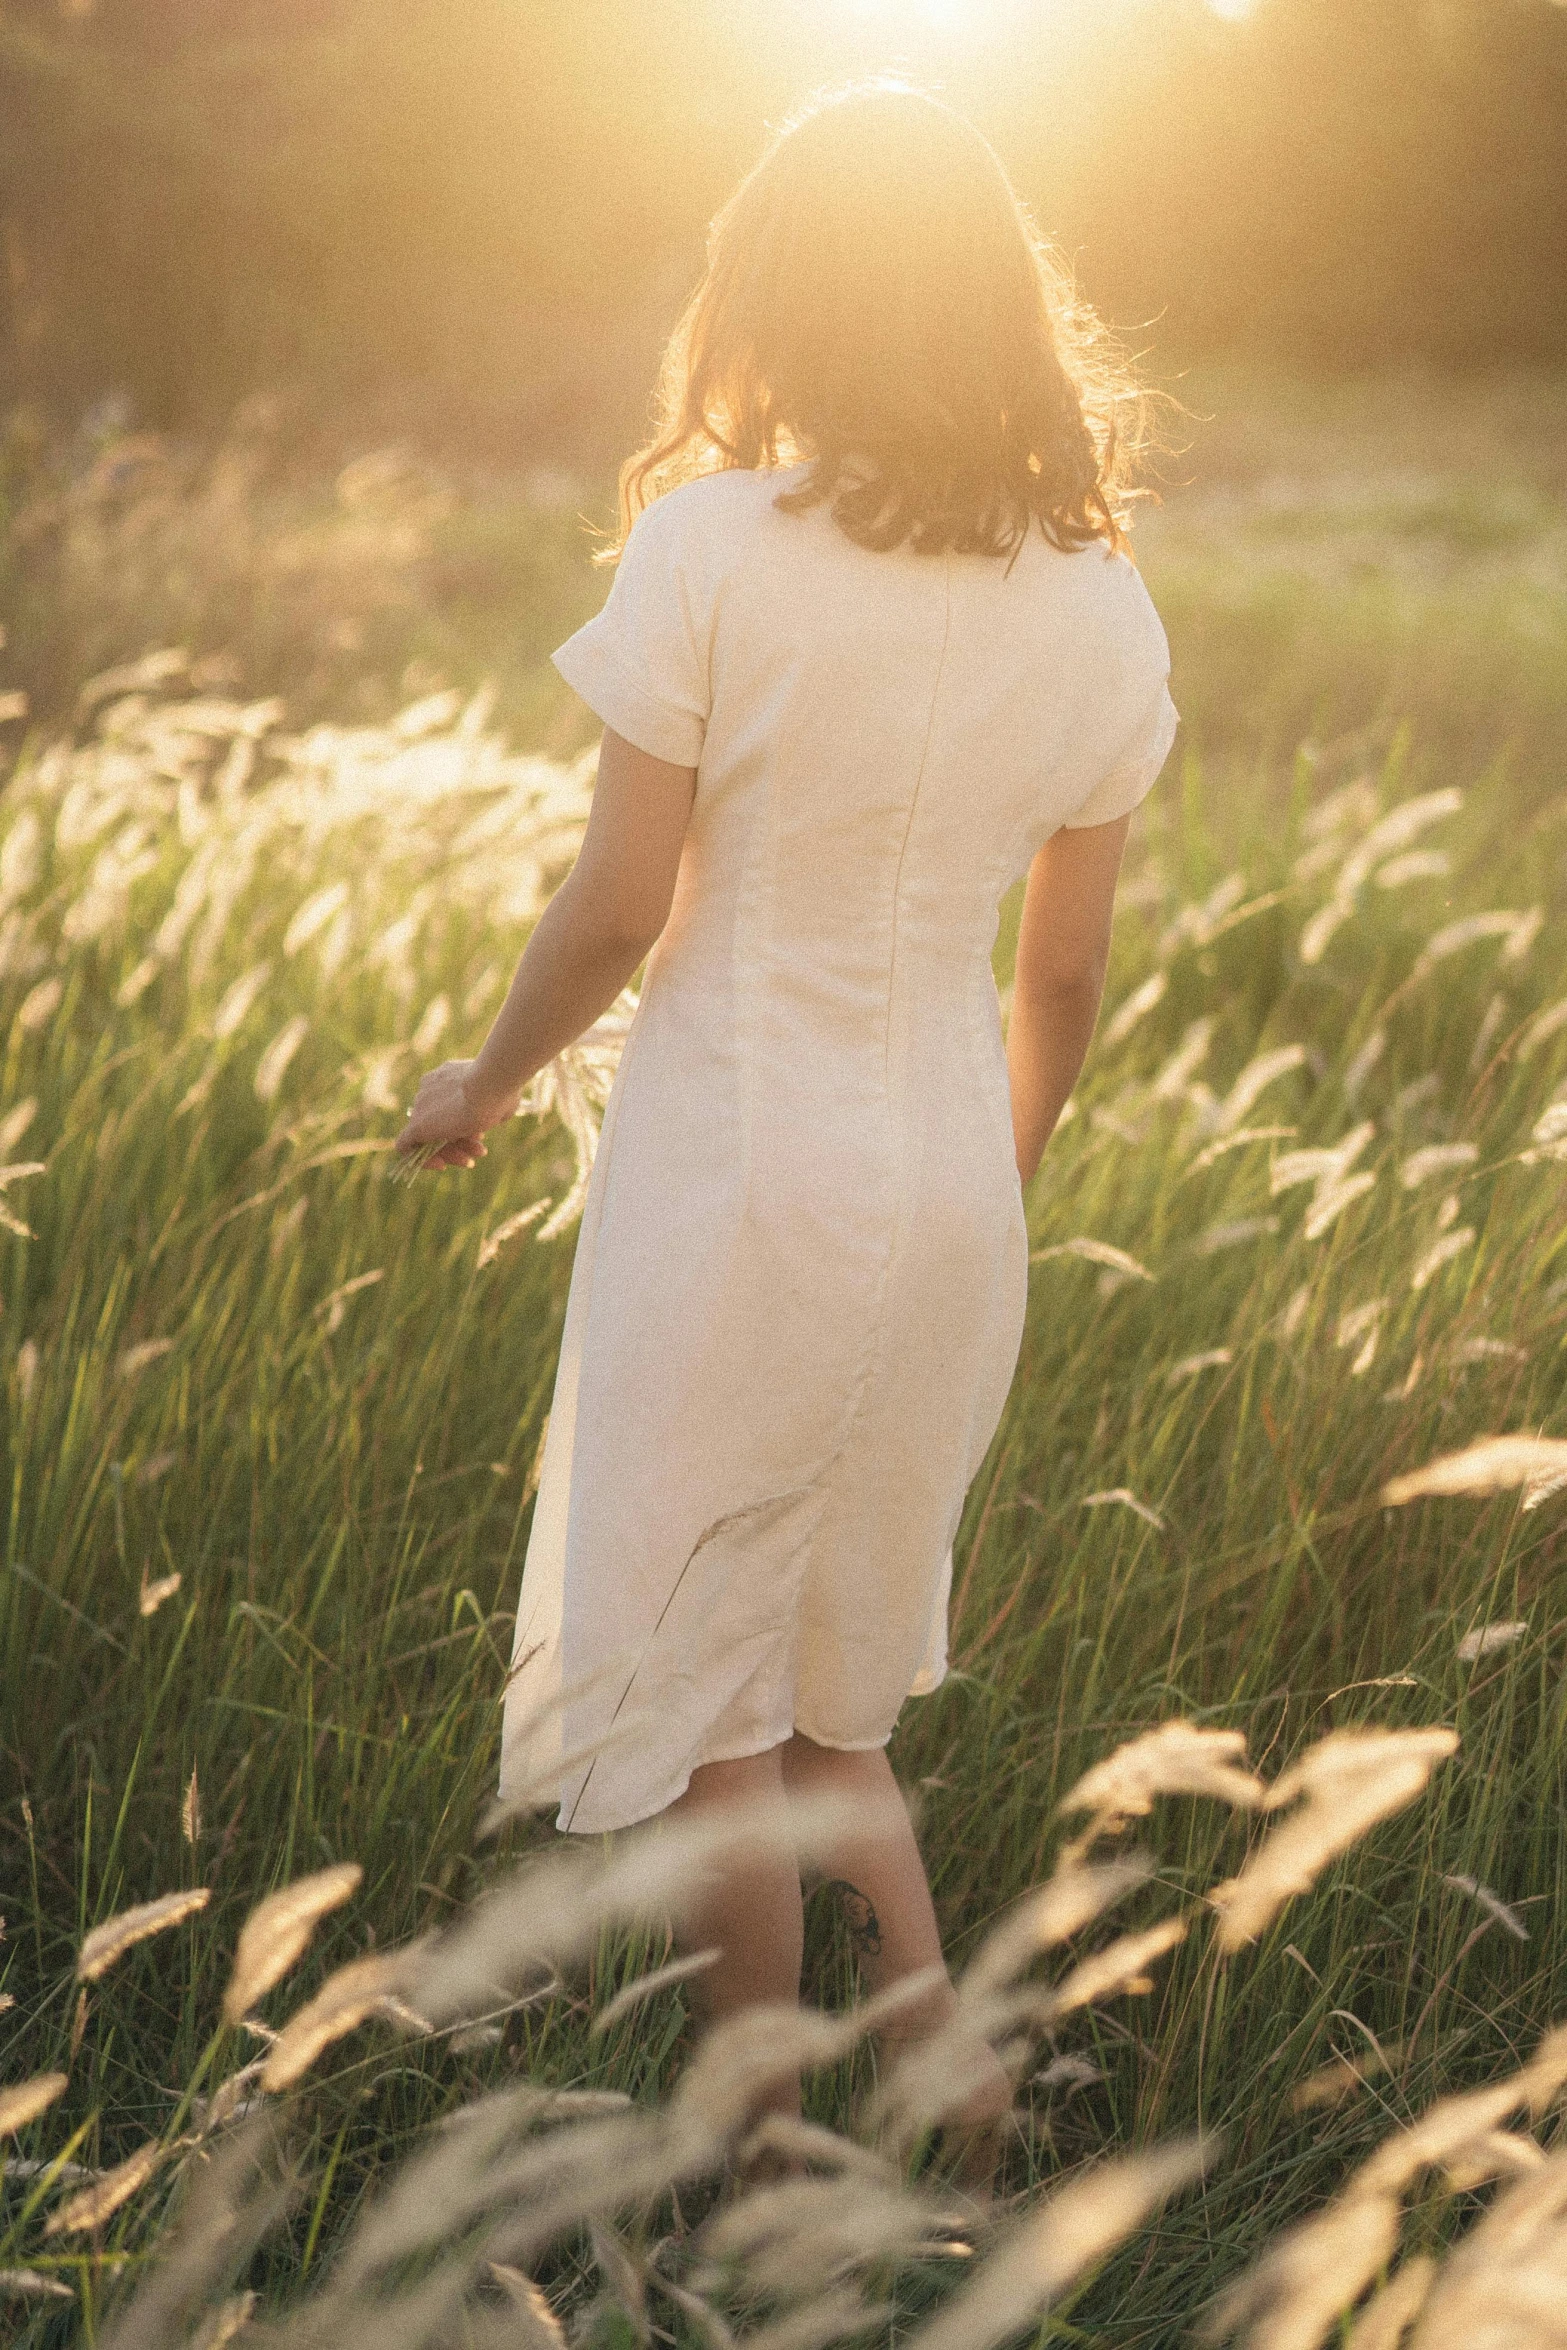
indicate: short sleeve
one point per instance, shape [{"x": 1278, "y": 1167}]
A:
[
  {"x": 641, "y": 665},
  {"x": 1136, "y": 767}
]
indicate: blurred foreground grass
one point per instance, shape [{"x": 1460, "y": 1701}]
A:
[{"x": 236, "y": 1354}]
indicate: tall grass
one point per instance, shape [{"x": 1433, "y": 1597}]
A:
[
  {"x": 236, "y": 1354},
  {"x": 799, "y": 2256}
]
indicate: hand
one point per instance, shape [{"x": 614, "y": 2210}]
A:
[{"x": 448, "y": 1116}]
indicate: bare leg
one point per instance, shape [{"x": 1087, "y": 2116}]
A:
[
  {"x": 877, "y": 1870},
  {"x": 750, "y": 1910},
  {"x": 886, "y": 1901}
]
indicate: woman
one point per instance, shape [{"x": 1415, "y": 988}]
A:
[{"x": 873, "y": 651}]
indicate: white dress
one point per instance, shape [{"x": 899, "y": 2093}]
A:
[{"x": 800, "y": 1279}]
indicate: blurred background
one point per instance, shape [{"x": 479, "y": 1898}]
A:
[
  {"x": 482, "y": 213},
  {"x": 324, "y": 323}
]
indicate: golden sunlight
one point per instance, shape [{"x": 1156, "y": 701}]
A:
[{"x": 939, "y": 15}]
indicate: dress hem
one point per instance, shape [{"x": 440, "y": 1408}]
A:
[
  {"x": 737, "y": 1754},
  {"x": 641, "y": 1818}
]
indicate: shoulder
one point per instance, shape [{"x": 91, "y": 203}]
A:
[
  {"x": 708, "y": 506},
  {"x": 698, "y": 538},
  {"x": 1107, "y": 591},
  {"x": 1106, "y": 574}
]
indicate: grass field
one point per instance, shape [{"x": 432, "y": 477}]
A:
[{"x": 233, "y": 927}]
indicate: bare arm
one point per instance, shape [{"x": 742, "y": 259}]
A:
[
  {"x": 1062, "y": 950},
  {"x": 591, "y": 937}
]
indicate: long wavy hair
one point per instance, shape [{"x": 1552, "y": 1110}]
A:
[{"x": 879, "y": 305}]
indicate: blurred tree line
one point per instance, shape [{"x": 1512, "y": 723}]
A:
[{"x": 491, "y": 209}]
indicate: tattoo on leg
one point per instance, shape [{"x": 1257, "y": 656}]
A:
[{"x": 860, "y": 1917}]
